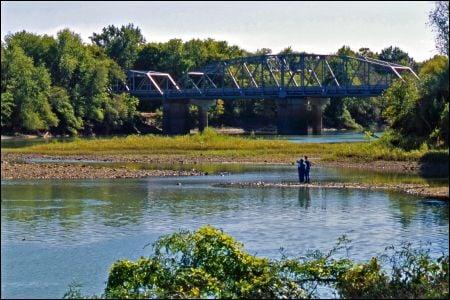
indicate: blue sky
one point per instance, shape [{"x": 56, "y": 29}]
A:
[{"x": 318, "y": 27}]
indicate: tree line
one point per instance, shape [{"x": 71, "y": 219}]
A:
[{"x": 62, "y": 85}]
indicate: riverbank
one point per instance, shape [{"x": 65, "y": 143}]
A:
[
  {"x": 23, "y": 170},
  {"x": 177, "y": 159},
  {"x": 79, "y": 158},
  {"x": 36, "y": 166},
  {"x": 421, "y": 190}
]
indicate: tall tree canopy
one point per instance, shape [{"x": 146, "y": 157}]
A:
[
  {"x": 121, "y": 44},
  {"x": 64, "y": 85}
]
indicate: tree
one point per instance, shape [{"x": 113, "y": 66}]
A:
[
  {"x": 25, "y": 89},
  {"x": 398, "y": 56},
  {"x": 38, "y": 47},
  {"x": 416, "y": 110},
  {"x": 263, "y": 51},
  {"x": 61, "y": 105},
  {"x": 438, "y": 19},
  {"x": 121, "y": 44},
  {"x": 364, "y": 51},
  {"x": 287, "y": 50},
  {"x": 87, "y": 75},
  {"x": 433, "y": 105},
  {"x": 149, "y": 57}
]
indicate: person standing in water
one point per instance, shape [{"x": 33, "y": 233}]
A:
[
  {"x": 307, "y": 169},
  {"x": 301, "y": 170}
]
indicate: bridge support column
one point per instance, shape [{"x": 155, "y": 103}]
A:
[
  {"x": 292, "y": 116},
  {"x": 203, "y": 107},
  {"x": 317, "y": 105},
  {"x": 175, "y": 116}
]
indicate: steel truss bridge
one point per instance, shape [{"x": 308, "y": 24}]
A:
[{"x": 270, "y": 77}]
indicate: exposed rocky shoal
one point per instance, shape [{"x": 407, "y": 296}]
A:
[
  {"x": 27, "y": 166},
  {"x": 15, "y": 170},
  {"x": 422, "y": 190}
]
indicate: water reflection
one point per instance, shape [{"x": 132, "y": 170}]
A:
[
  {"x": 45, "y": 208},
  {"x": 410, "y": 210},
  {"x": 99, "y": 221},
  {"x": 304, "y": 198}
]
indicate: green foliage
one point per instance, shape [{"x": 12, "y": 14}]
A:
[
  {"x": 61, "y": 105},
  {"x": 7, "y": 106},
  {"x": 216, "y": 113},
  {"x": 209, "y": 263},
  {"x": 39, "y": 48},
  {"x": 177, "y": 57},
  {"x": 413, "y": 275},
  {"x": 416, "y": 110},
  {"x": 121, "y": 44},
  {"x": 397, "y": 55},
  {"x": 205, "y": 263},
  {"x": 366, "y": 112},
  {"x": 70, "y": 83},
  {"x": 357, "y": 113},
  {"x": 439, "y": 22},
  {"x": 336, "y": 115},
  {"x": 60, "y": 85},
  {"x": 25, "y": 88}
]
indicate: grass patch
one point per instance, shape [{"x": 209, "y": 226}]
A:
[{"x": 211, "y": 144}]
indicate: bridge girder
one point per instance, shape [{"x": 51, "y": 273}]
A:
[{"x": 272, "y": 76}]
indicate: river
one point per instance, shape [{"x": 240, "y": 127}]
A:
[{"x": 55, "y": 232}]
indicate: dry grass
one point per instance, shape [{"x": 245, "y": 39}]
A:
[{"x": 211, "y": 144}]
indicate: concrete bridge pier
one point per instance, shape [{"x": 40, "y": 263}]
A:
[
  {"x": 292, "y": 116},
  {"x": 175, "y": 116},
  {"x": 203, "y": 107},
  {"x": 317, "y": 105}
]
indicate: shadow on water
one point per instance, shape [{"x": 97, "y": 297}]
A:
[{"x": 434, "y": 164}]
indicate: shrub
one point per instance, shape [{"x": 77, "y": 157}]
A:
[{"x": 208, "y": 263}]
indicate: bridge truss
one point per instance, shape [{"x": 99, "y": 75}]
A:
[{"x": 271, "y": 76}]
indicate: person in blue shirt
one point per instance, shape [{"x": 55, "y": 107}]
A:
[
  {"x": 307, "y": 169},
  {"x": 301, "y": 170}
]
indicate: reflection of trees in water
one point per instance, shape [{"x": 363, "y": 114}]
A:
[
  {"x": 377, "y": 177},
  {"x": 124, "y": 202},
  {"x": 70, "y": 205},
  {"x": 409, "y": 209},
  {"x": 193, "y": 201}
]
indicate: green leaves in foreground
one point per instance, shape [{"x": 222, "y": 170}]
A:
[{"x": 208, "y": 263}]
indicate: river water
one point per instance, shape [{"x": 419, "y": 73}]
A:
[{"x": 55, "y": 232}]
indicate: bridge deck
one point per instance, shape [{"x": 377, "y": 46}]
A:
[{"x": 261, "y": 93}]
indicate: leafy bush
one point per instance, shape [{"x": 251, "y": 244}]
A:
[
  {"x": 208, "y": 263},
  {"x": 205, "y": 263}
]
